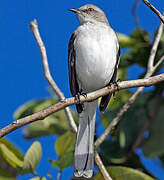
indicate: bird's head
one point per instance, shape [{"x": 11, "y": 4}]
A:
[{"x": 90, "y": 13}]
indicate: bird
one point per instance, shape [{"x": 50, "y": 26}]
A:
[{"x": 93, "y": 59}]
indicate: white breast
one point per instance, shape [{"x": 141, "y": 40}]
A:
[{"x": 96, "y": 49}]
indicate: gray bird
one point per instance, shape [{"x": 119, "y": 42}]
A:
[{"x": 93, "y": 59}]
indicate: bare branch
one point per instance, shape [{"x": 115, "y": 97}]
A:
[
  {"x": 126, "y": 106},
  {"x": 159, "y": 62},
  {"x": 154, "y": 48},
  {"x": 135, "y": 5},
  {"x": 47, "y": 74},
  {"x": 70, "y": 101},
  {"x": 101, "y": 167},
  {"x": 154, "y": 10}
]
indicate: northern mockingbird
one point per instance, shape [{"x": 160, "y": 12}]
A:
[{"x": 93, "y": 58}]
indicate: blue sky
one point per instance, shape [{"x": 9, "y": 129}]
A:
[{"x": 21, "y": 74}]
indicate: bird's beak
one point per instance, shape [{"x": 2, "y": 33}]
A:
[{"x": 74, "y": 10}]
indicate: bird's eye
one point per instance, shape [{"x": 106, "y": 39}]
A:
[{"x": 90, "y": 9}]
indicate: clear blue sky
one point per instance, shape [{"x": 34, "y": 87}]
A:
[{"x": 21, "y": 74}]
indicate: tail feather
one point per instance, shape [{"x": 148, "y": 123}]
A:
[
  {"x": 84, "y": 149},
  {"x": 104, "y": 102}
]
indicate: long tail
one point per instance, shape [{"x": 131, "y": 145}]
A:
[{"x": 84, "y": 148}]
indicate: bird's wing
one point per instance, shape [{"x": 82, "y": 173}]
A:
[
  {"x": 105, "y": 99},
  {"x": 74, "y": 86}
]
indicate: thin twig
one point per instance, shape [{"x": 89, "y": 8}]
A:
[
  {"x": 154, "y": 48},
  {"x": 135, "y": 5},
  {"x": 70, "y": 101},
  {"x": 159, "y": 62},
  {"x": 150, "y": 71},
  {"x": 101, "y": 167},
  {"x": 47, "y": 74},
  {"x": 154, "y": 10}
]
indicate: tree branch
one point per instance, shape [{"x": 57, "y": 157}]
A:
[
  {"x": 154, "y": 49},
  {"x": 47, "y": 74},
  {"x": 154, "y": 10},
  {"x": 135, "y": 5},
  {"x": 150, "y": 71},
  {"x": 159, "y": 62},
  {"x": 101, "y": 167},
  {"x": 70, "y": 101}
]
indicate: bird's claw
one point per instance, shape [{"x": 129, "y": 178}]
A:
[
  {"x": 118, "y": 80},
  {"x": 84, "y": 94},
  {"x": 77, "y": 96},
  {"x": 115, "y": 83}
]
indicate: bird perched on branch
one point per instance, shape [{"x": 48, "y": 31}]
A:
[{"x": 93, "y": 59}]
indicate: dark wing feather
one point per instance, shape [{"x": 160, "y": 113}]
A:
[
  {"x": 105, "y": 99},
  {"x": 74, "y": 87}
]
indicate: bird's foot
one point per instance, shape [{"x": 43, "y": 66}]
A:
[
  {"x": 119, "y": 80},
  {"x": 77, "y": 96},
  {"x": 115, "y": 83},
  {"x": 84, "y": 94}
]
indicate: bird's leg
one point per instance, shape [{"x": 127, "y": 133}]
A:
[
  {"x": 77, "y": 96},
  {"x": 83, "y": 93},
  {"x": 115, "y": 83}
]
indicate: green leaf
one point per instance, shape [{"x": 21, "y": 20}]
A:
[
  {"x": 122, "y": 73},
  {"x": 65, "y": 143},
  {"x": 12, "y": 148},
  {"x": 139, "y": 51},
  {"x": 50, "y": 125},
  {"x": 38, "y": 178},
  {"x": 162, "y": 37},
  {"x": 125, "y": 41},
  {"x": 6, "y": 175},
  {"x": 122, "y": 139},
  {"x": 32, "y": 157},
  {"x": 64, "y": 161},
  {"x": 153, "y": 146},
  {"x": 119, "y": 99},
  {"x": 65, "y": 149},
  {"x": 124, "y": 173},
  {"x": 81, "y": 178},
  {"x": 10, "y": 154},
  {"x": 29, "y": 108}
]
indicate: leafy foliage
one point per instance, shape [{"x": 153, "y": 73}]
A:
[
  {"x": 12, "y": 158},
  {"x": 153, "y": 145},
  {"x": 65, "y": 143},
  {"x": 38, "y": 178},
  {"x": 11, "y": 154},
  {"x": 65, "y": 149},
  {"x": 64, "y": 161},
  {"x": 54, "y": 124},
  {"x": 124, "y": 173},
  {"x": 32, "y": 158}
]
